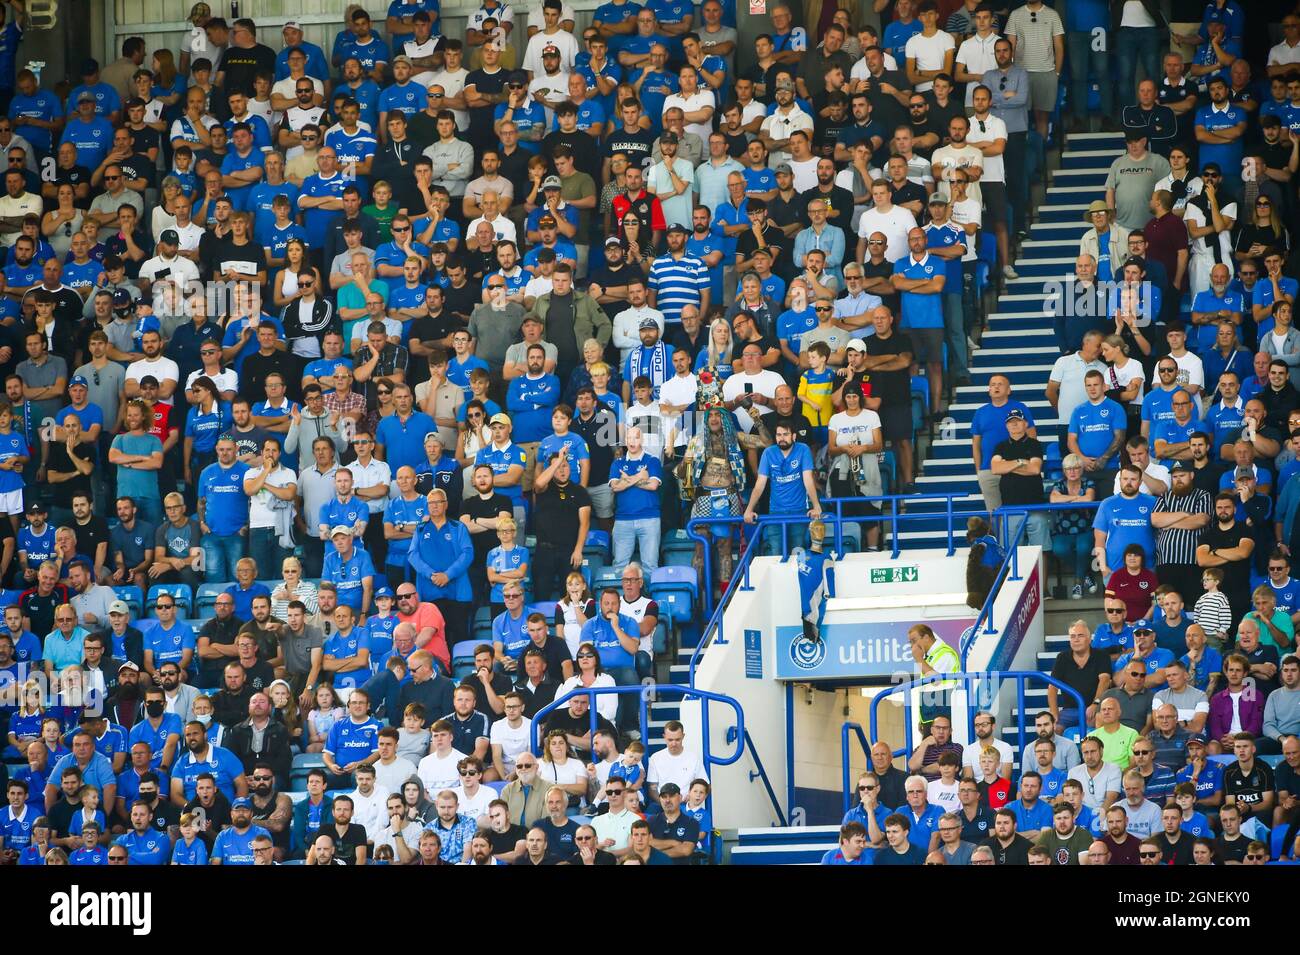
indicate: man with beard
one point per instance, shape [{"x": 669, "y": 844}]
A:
[
  {"x": 202, "y": 758},
  {"x": 839, "y": 201},
  {"x": 1228, "y": 544},
  {"x": 271, "y": 808},
  {"x": 1179, "y": 518},
  {"x": 261, "y": 740}
]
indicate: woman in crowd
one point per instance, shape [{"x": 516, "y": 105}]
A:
[
  {"x": 62, "y": 222},
  {"x": 588, "y": 674},
  {"x": 1125, "y": 379},
  {"x": 292, "y": 586},
  {"x": 718, "y": 356},
  {"x": 1072, "y": 537},
  {"x": 1134, "y": 583},
  {"x": 284, "y": 285},
  {"x": 573, "y": 610},
  {"x": 853, "y": 455}
]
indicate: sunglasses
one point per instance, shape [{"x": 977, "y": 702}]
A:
[
  {"x": 822, "y": 308},
  {"x": 1154, "y": 855}
]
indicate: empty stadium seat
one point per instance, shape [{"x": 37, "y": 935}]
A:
[
  {"x": 608, "y": 577},
  {"x": 676, "y": 589},
  {"x": 206, "y": 598},
  {"x": 133, "y": 597},
  {"x": 181, "y": 593},
  {"x": 597, "y": 545},
  {"x": 676, "y": 542}
]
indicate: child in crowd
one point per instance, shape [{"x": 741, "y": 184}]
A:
[
  {"x": 815, "y": 387},
  {"x": 413, "y": 738},
  {"x": 325, "y": 712},
  {"x": 1212, "y": 611},
  {"x": 628, "y": 768}
]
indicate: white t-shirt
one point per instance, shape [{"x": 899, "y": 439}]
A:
[
  {"x": 957, "y": 157},
  {"x": 562, "y": 40},
  {"x": 259, "y": 505},
  {"x": 894, "y": 225},
  {"x": 179, "y": 269},
  {"x": 764, "y": 383},
  {"x": 1284, "y": 54},
  {"x": 780, "y": 125},
  {"x": 439, "y": 772},
  {"x": 505, "y": 229},
  {"x": 512, "y": 740},
  {"x": 1193, "y": 216},
  {"x": 976, "y": 54},
  {"x": 682, "y": 770},
  {"x": 698, "y": 100},
  {"x": 162, "y": 368},
  {"x": 1124, "y": 375},
  {"x": 653, "y": 425},
  {"x": 228, "y": 380},
  {"x": 606, "y": 703},
  {"x": 288, "y": 87},
  {"x": 1108, "y": 779},
  {"x": 626, "y": 328},
  {"x": 477, "y": 805},
  {"x": 993, "y": 129},
  {"x": 370, "y": 475},
  {"x": 966, "y": 211},
  {"x": 1190, "y": 371},
  {"x": 1068, "y": 372},
  {"x": 970, "y": 754},
  {"x": 856, "y": 429},
  {"x": 571, "y": 771},
  {"x": 392, "y": 776},
  {"x": 929, "y": 53},
  {"x": 676, "y": 208},
  {"x": 805, "y": 173},
  {"x": 1135, "y": 15},
  {"x": 679, "y": 391},
  {"x": 941, "y": 794},
  {"x": 452, "y": 84}
]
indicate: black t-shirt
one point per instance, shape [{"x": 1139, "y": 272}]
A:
[
  {"x": 501, "y": 685},
  {"x": 514, "y": 166},
  {"x": 976, "y": 830},
  {"x": 1175, "y": 853},
  {"x": 892, "y": 387},
  {"x": 909, "y": 192},
  {"x": 241, "y": 65},
  {"x": 1260, "y": 655},
  {"x": 1017, "y": 488},
  {"x": 884, "y": 269},
  {"x": 476, "y": 506},
  {"x": 60, "y": 461},
  {"x": 250, "y": 253},
  {"x": 940, "y": 116},
  {"x": 217, "y": 815},
  {"x": 139, "y": 166},
  {"x": 801, "y": 426},
  {"x": 555, "y": 513},
  {"x": 841, "y": 213},
  {"x": 345, "y": 845},
  {"x": 620, "y": 277},
  {"x": 681, "y": 829},
  {"x": 40, "y": 610},
  {"x": 1207, "y": 478},
  {"x": 1231, "y": 850},
  {"x": 1015, "y": 854},
  {"x": 636, "y": 145},
  {"x": 925, "y": 128},
  {"x": 736, "y": 145},
  {"x": 144, "y": 139},
  {"x": 460, "y": 302},
  {"x": 1081, "y": 678},
  {"x": 431, "y": 329},
  {"x": 585, "y": 155},
  {"x": 74, "y": 177},
  {"x": 503, "y": 842},
  {"x": 1237, "y": 572},
  {"x": 601, "y": 434},
  {"x": 479, "y": 263},
  {"x": 480, "y": 120},
  {"x": 91, "y": 534}
]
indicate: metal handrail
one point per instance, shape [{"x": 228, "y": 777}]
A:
[
  {"x": 767, "y": 782},
  {"x": 696, "y": 530},
  {"x": 845, "y": 730},
  {"x": 967, "y": 679},
  {"x": 1009, "y": 569}
]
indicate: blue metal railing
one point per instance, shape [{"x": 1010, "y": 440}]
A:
[
  {"x": 767, "y": 782},
  {"x": 833, "y": 514},
  {"x": 1009, "y": 569},
  {"x": 737, "y": 734},
  {"x": 845, "y": 763},
  {"x": 968, "y": 680}
]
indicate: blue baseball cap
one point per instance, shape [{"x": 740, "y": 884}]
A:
[
  {"x": 1141, "y": 625},
  {"x": 79, "y": 380},
  {"x": 242, "y": 802},
  {"x": 385, "y": 592}
]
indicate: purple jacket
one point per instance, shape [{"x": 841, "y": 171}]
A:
[{"x": 1252, "y": 713}]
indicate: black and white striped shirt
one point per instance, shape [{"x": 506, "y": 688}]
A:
[{"x": 1177, "y": 545}]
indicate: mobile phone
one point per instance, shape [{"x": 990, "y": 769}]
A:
[{"x": 749, "y": 387}]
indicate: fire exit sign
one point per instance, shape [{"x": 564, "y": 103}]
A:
[{"x": 906, "y": 574}]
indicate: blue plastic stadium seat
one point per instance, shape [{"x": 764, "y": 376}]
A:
[
  {"x": 545, "y": 607},
  {"x": 206, "y": 598},
  {"x": 9, "y": 598},
  {"x": 851, "y": 535},
  {"x": 591, "y": 566},
  {"x": 677, "y": 590},
  {"x": 676, "y": 541},
  {"x": 597, "y": 544},
  {"x": 181, "y": 593},
  {"x": 308, "y": 760},
  {"x": 661, "y": 637},
  {"x": 608, "y": 577},
  {"x": 496, "y": 787},
  {"x": 133, "y": 597},
  {"x": 464, "y": 651}
]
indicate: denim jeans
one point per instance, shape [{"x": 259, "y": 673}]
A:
[
  {"x": 1087, "y": 63},
  {"x": 643, "y": 534},
  {"x": 954, "y": 324},
  {"x": 149, "y": 509},
  {"x": 1134, "y": 47},
  {"x": 220, "y": 554},
  {"x": 1076, "y": 548},
  {"x": 1037, "y": 530},
  {"x": 796, "y": 536},
  {"x": 628, "y": 703},
  {"x": 264, "y": 547}
]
